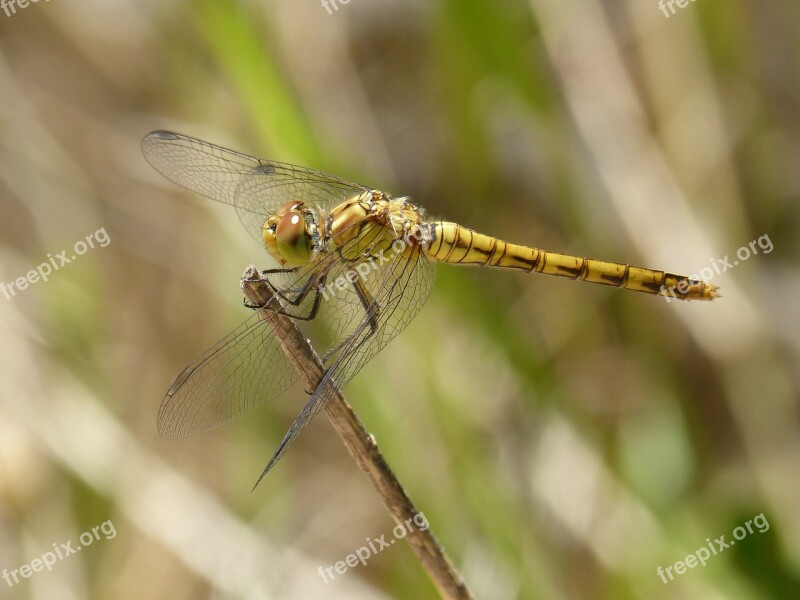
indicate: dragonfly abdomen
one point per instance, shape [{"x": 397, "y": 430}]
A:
[{"x": 455, "y": 244}]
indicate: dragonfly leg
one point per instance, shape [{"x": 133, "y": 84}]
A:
[
  {"x": 372, "y": 310},
  {"x": 371, "y": 307},
  {"x": 280, "y": 270},
  {"x": 312, "y": 285},
  {"x": 275, "y": 291}
]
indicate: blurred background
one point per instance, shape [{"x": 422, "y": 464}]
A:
[{"x": 564, "y": 440}]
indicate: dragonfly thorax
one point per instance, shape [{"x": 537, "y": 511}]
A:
[
  {"x": 373, "y": 224},
  {"x": 289, "y": 235}
]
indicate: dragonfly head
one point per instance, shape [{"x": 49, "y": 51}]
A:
[{"x": 288, "y": 234}]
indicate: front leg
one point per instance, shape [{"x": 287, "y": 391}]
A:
[{"x": 313, "y": 285}]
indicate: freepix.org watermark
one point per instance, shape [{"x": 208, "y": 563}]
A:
[
  {"x": 333, "y": 5},
  {"x": 373, "y": 547},
  {"x": 59, "y": 552},
  {"x": 346, "y": 280},
  {"x": 361, "y": 270},
  {"x": 702, "y": 554},
  {"x": 10, "y": 6},
  {"x": 663, "y": 4},
  {"x": 720, "y": 266},
  {"x": 54, "y": 263}
]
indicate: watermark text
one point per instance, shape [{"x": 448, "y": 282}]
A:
[
  {"x": 59, "y": 552},
  {"x": 372, "y": 262},
  {"x": 719, "y": 266},
  {"x": 373, "y": 547},
  {"x": 664, "y": 4},
  {"x": 10, "y": 6},
  {"x": 712, "y": 548},
  {"x": 333, "y": 5},
  {"x": 54, "y": 263}
]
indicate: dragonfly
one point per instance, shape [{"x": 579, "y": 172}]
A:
[{"x": 355, "y": 256}]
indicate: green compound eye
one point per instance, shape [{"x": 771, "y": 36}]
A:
[{"x": 293, "y": 242}]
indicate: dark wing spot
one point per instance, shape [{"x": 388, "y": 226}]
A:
[
  {"x": 265, "y": 169},
  {"x": 164, "y": 135}
]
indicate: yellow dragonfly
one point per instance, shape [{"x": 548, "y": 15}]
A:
[{"x": 354, "y": 254}]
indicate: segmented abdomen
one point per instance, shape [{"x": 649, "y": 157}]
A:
[{"x": 455, "y": 244}]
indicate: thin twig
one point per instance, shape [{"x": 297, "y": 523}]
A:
[{"x": 359, "y": 442}]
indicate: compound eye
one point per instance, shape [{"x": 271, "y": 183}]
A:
[{"x": 293, "y": 242}]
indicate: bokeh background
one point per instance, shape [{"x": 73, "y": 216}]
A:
[{"x": 564, "y": 440}]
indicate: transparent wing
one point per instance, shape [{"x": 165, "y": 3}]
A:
[
  {"x": 245, "y": 369},
  {"x": 256, "y": 187},
  {"x": 248, "y": 367},
  {"x": 395, "y": 293}
]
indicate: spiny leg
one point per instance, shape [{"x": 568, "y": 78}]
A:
[
  {"x": 372, "y": 311},
  {"x": 312, "y": 285},
  {"x": 275, "y": 291}
]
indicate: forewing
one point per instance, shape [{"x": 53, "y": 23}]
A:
[
  {"x": 256, "y": 187},
  {"x": 245, "y": 369},
  {"x": 207, "y": 169}
]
